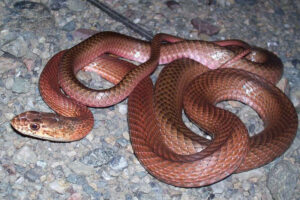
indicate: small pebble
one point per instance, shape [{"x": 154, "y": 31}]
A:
[
  {"x": 126, "y": 135},
  {"x": 76, "y": 5},
  {"x": 106, "y": 176},
  {"x": 17, "y": 47},
  {"x": 33, "y": 174},
  {"x": 283, "y": 85},
  {"x": 70, "y": 26},
  {"x": 123, "y": 109},
  {"x": 249, "y": 175},
  {"x": 295, "y": 98},
  {"x": 122, "y": 141},
  {"x": 204, "y": 27},
  {"x": 58, "y": 186},
  {"x": 25, "y": 156},
  {"x": 20, "y": 85},
  {"x": 9, "y": 83},
  {"x": 56, "y": 4},
  {"x": 81, "y": 169},
  {"x": 219, "y": 187},
  {"x": 118, "y": 163}
]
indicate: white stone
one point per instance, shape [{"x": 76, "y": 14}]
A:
[
  {"x": 126, "y": 135},
  {"x": 135, "y": 179},
  {"x": 58, "y": 186},
  {"x": 90, "y": 137},
  {"x": 123, "y": 109},
  {"x": 118, "y": 163},
  {"x": 17, "y": 47},
  {"x": 41, "y": 164},
  {"x": 218, "y": 188},
  {"x": 9, "y": 83},
  {"x": 257, "y": 173},
  {"x": 25, "y": 156},
  {"x": 106, "y": 176},
  {"x": 80, "y": 168}
]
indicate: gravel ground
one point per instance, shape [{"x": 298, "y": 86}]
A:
[{"x": 102, "y": 165}]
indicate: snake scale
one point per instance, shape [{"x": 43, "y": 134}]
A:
[{"x": 198, "y": 75}]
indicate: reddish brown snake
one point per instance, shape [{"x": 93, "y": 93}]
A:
[{"x": 162, "y": 143}]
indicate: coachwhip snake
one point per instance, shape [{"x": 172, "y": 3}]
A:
[{"x": 161, "y": 141}]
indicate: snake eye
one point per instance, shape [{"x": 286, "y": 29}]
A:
[{"x": 34, "y": 127}]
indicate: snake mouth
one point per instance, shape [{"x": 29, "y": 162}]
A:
[
  {"x": 18, "y": 124},
  {"x": 15, "y": 123}
]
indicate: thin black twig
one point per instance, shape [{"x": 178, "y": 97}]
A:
[{"x": 120, "y": 18}]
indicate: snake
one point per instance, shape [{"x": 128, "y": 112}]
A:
[{"x": 198, "y": 75}]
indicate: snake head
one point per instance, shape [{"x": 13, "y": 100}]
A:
[{"x": 37, "y": 124}]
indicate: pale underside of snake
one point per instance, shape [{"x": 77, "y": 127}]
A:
[{"x": 160, "y": 139}]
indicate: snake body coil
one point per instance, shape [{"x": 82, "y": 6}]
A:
[{"x": 160, "y": 139}]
